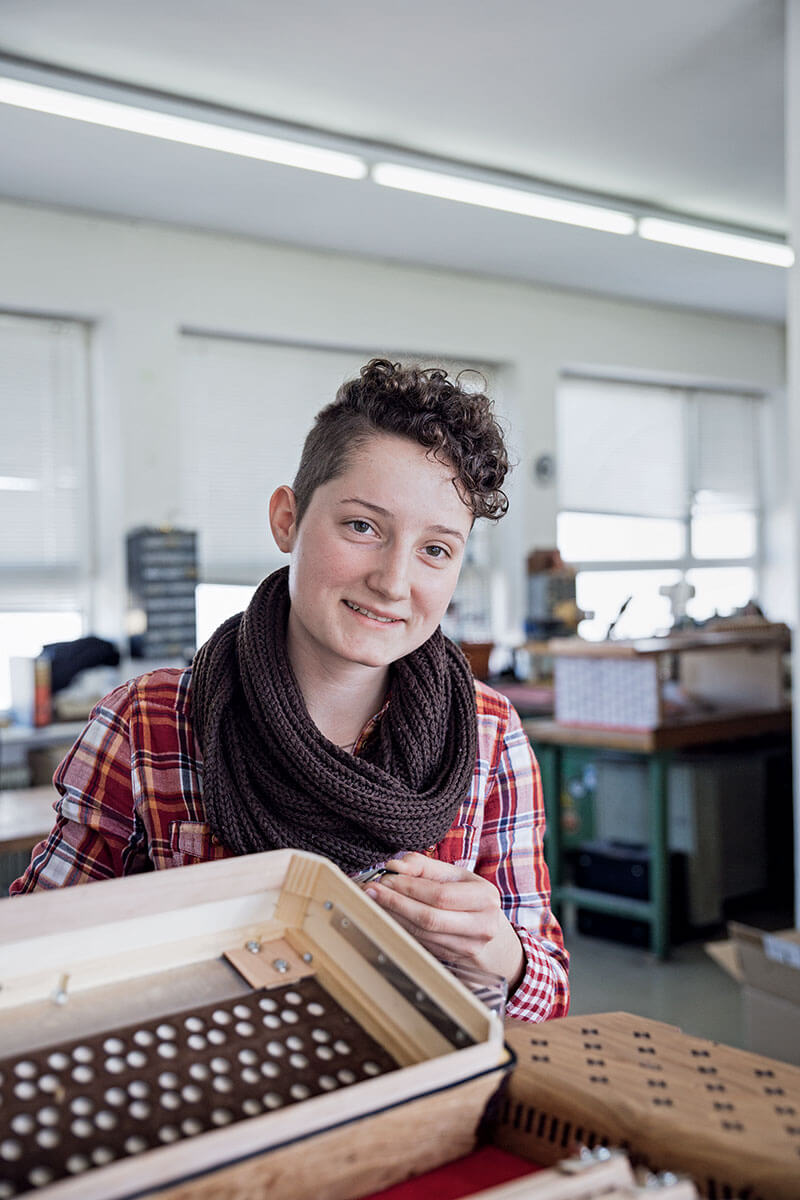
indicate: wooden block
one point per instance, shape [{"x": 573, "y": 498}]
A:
[
  {"x": 268, "y": 963},
  {"x": 725, "y": 1117}
]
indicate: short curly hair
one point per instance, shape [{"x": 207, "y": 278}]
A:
[{"x": 419, "y": 403}]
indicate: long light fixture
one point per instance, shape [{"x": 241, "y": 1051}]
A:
[
  {"x": 171, "y": 128},
  {"x": 507, "y": 199},
  {"x": 284, "y": 151},
  {"x": 715, "y": 241}
]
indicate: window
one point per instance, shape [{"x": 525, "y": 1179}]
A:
[
  {"x": 44, "y": 541},
  {"x": 657, "y": 485},
  {"x": 245, "y": 408}
]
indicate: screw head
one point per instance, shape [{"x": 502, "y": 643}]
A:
[
  {"x": 253, "y": 946},
  {"x": 328, "y": 904},
  {"x": 280, "y": 964},
  {"x": 308, "y": 957}
]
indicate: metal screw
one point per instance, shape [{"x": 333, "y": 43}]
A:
[
  {"x": 253, "y": 946},
  {"x": 460, "y": 1035},
  {"x": 60, "y": 994},
  {"x": 381, "y": 959},
  {"x": 345, "y": 923},
  {"x": 419, "y": 996},
  {"x": 308, "y": 957},
  {"x": 328, "y": 904},
  {"x": 280, "y": 964}
]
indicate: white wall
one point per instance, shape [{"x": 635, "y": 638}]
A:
[{"x": 141, "y": 283}]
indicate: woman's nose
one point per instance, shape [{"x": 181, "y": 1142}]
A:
[{"x": 390, "y": 575}]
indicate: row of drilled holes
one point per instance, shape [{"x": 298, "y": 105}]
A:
[{"x": 523, "y": 1118}]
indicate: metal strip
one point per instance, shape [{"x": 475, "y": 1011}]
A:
[{"x": 408, "y": 988}]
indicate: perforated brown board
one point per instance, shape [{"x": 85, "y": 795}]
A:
[
  {"x": 72, "y": 1108},
  {"x": 728, "y": 1118}
]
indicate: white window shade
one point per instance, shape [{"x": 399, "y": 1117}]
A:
[
  {"x": 43, "y": 464},
  {"x": 725, "y": 441},
  {"x": 621, "y": 449}
]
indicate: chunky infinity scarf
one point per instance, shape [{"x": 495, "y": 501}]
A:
[{"x": 271, "y": 779}]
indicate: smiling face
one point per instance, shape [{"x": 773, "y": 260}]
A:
[{"x": 375, "y": 559}]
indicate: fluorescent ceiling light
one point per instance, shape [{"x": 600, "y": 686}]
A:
[
  {"x": 491, "y": 195},
  {"x": 735, "y": 245},
  {"x": 180, "y": 129}
]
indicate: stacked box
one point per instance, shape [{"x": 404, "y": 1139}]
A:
[
  {"x": 615, "y": 692},
  {"x": 162, "y": 577}
]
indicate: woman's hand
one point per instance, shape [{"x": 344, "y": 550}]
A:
[{"x": 453, "y": 912}]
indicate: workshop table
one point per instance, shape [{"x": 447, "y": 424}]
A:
[
  {"x": 656, "y": 747},
  {"x": 26, "y": 816}
]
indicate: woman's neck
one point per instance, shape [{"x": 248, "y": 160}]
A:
[{"x": 339, "y": 702}]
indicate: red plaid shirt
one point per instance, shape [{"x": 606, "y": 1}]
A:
[{"x": 131, "y": 799}]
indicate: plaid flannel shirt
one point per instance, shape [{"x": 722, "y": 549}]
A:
[{"x": 131, "y": 799}]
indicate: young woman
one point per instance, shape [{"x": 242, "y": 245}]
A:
[{"x": 333, "y": 715}]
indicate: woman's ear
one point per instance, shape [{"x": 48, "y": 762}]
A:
[{"x": 282, "y": 514}]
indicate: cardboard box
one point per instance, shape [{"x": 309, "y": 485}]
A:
[{"x": 768, "y": 967}]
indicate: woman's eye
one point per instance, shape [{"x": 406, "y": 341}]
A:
[
  {"x": 437, "y": 552},
  {"x": 360, "y": 526}
]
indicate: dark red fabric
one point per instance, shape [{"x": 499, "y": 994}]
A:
[{"x": 483, "y": 1169}]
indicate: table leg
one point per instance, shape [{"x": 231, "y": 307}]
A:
[
  {"x": 658, "y": 772},
  {"x": 549, "y": 758}
]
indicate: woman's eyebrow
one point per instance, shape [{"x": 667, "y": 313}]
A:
[
  {"x": 376, "y": 508},
  {"x": 384, "y": 512}
]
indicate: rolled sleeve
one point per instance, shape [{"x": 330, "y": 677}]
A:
[{"x": 511, "y": 855}]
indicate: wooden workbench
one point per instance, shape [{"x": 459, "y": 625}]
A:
[{"x": 26, "y": 816}]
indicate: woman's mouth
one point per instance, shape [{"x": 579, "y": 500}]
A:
[{"x": 366, "y": 612}]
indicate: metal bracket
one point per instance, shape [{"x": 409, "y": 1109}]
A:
[{"x": 408, "y": 988}]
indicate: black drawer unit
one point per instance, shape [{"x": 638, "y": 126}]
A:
[{"x": 162, "y": 577}]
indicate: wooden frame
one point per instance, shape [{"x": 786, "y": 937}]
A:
[{"x": 90, "y": 957}]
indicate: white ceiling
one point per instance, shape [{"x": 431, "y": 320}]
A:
[{"x": 674, "y": 106}]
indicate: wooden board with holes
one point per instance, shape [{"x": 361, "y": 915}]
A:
[{"x": 727, "y": 1118}]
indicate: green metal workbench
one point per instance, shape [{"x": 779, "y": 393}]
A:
[{"x": 657, "y": 747}]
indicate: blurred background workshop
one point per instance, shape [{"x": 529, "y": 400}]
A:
[{"x": 211, "y": 216}]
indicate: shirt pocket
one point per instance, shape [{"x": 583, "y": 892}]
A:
[{"x": 193, "y": 841}]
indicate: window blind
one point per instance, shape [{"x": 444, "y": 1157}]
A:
[
  {"x": 245, "y": 409},
  {"x": 621, "y": 449},
  {"x": 645, "y": 450},
  {"x": 726, "y": 451},
  {"x": 44, "y": 541}
]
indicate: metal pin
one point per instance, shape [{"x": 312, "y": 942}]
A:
[
  {"x": 60, "y": 994},
  {"x": 308, "y": 957},
  {"x": 254, "y": 946},
  {"x": 328, "y": 904},
  {"x": 280, "y": 964},
  {"x": 344, "y": 923}
]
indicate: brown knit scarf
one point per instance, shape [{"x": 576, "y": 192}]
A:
[{"x": 271, "y": 779}]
